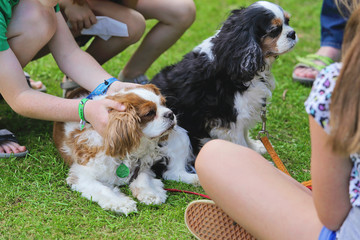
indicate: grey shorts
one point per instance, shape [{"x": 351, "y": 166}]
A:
[{"x": 350, "y": 229}]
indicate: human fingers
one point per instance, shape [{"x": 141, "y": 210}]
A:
[
  {"x": 80, "y": 25},
  {"x": 113, "y": 105},
  {"x": 74, "y": 26},
  {"x": 93, "y": 19},
  {"x": 87, "y": 23}
]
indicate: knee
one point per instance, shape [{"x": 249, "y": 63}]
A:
[
  {"x": 209, "y": 155},
  {"x": 185, "y": 15},
  {"x": 40, "y": 25},
  {"x": 136, "y": 27}
]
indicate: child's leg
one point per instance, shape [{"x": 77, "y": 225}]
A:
[
  {"x": 266, "y": 202},
  {"x": 174, "y": 17},
  {"x": 30, "y": 28},
  {"x": 32, "y": 25},
  {"x": 103, "y": 50}
]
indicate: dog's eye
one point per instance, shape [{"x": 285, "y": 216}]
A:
[
  {"x": 275, "y": 31},
  {"x": 150, "y": 113}
]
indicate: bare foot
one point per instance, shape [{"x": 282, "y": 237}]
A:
[
  {"x": 36, "y": 84},
  {"x": 311, "y": 73},
  {"x": 11, "y": 147}
]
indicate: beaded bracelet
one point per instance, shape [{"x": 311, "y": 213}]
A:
[
  {"x": 81, "y": 113},
  {"x": 102, "y": 88},
  {"x": 99, "y": 90}
]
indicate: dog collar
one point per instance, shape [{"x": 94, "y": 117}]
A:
[{"x": 122, "y": 171}]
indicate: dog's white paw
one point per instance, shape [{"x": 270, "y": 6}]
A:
[
  {"x": 150, "y": 195},
  {"x": 183, "y": 176},
  {"x": 124, "y": 205}
]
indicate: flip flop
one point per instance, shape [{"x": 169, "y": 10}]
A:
[
  {"x": 207, "y": 221},
  {"x": 7, "y": 136},
  {"x": 68, "y": 85},
  {"x": 27, "y": 76},
  {"x": 309, "y": 62}
]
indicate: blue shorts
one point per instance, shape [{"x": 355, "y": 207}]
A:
[{"x": 327, "y": 234}]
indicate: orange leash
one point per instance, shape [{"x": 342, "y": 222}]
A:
[{"x": 279, "y": 164}]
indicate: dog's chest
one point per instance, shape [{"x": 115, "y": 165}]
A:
[
  {"x": 106, "y": 168},
  {"x": 248, "y": 104}
]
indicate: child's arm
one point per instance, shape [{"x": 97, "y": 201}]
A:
[
  {"x": 34, "y": 104},
  {"x": 330, "y": 177},
  {"x": 77, "y": 64},
  {"x": 78, "y": 14}
]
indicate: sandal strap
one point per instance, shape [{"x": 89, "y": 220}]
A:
[
  {"x": 7, "y": 136},
  {"x": 309, "y": 60}
]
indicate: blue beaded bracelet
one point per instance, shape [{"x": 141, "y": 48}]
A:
[{"x": 102, "y": 88}]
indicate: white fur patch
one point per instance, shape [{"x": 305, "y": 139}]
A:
[{"x": 206, "y": 47}]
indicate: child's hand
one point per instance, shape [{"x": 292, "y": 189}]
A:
[
  {"x": 79, "y": 16},
  {"x": 97, "y": 113}
]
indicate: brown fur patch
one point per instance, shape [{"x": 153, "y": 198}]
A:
[
  {"x": 276, "y": 21},
  {"x": 269, "y": 45},
  {"x": 164, "y": 138},
  {"x": 123, "y": 132},
  {"x": 124, "y": 128},
  {"x": 58, "y": 137},
  {"x": 82, "y": 152},
  {"x": 142, "y": 107},
  {"x": 287, "y": 15},
  {"x": 152, "y": 88}
]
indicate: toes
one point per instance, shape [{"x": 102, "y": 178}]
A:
[
  {"x": 11, "y": 147},
  {"x": 305, "y": 72},
  {"x": 36, "y": 85}
]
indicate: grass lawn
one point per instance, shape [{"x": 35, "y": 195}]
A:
[{"x": 35, "y": 201}]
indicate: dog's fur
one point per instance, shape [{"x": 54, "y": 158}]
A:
[
  {"x": 219, "y": 88},
  {"x": 144, "y": 135}
]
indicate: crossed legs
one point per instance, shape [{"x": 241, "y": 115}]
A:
[{"x": 266, "y": 202}]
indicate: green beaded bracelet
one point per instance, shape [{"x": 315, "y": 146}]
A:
[{"x": 81, "y": 113}]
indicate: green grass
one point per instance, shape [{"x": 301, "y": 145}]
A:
[{"x": 36, "y": 202}]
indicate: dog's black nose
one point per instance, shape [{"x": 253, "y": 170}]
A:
[
  {"x": 169, "y": 115},
  {"x": 292, "y": 35}
]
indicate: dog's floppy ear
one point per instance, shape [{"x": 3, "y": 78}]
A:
[
  {"x": 123, "y": 132},
  {"x": 236, "y": 47}
]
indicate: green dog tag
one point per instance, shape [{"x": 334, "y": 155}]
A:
[{"x": 122, "y": 171}]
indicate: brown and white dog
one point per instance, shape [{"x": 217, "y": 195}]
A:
[{"x": 136, "y": 140}]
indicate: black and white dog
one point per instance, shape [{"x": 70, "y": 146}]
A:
[{"x": 219, "y": 88}]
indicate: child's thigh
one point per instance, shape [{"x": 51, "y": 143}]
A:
[
  {"x": 167, "y": 10},
  {"x": 116, "y": 10},
  {"x": 30, "y": 17}
]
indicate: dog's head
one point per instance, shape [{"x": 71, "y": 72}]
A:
[
  {"x": 252, "y": 37},
  {"x": 145, "y": 116}
]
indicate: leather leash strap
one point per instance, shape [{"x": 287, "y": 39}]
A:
[
  {"x": 265, "y": 140},
  {"x": 279, "y": 164}
]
